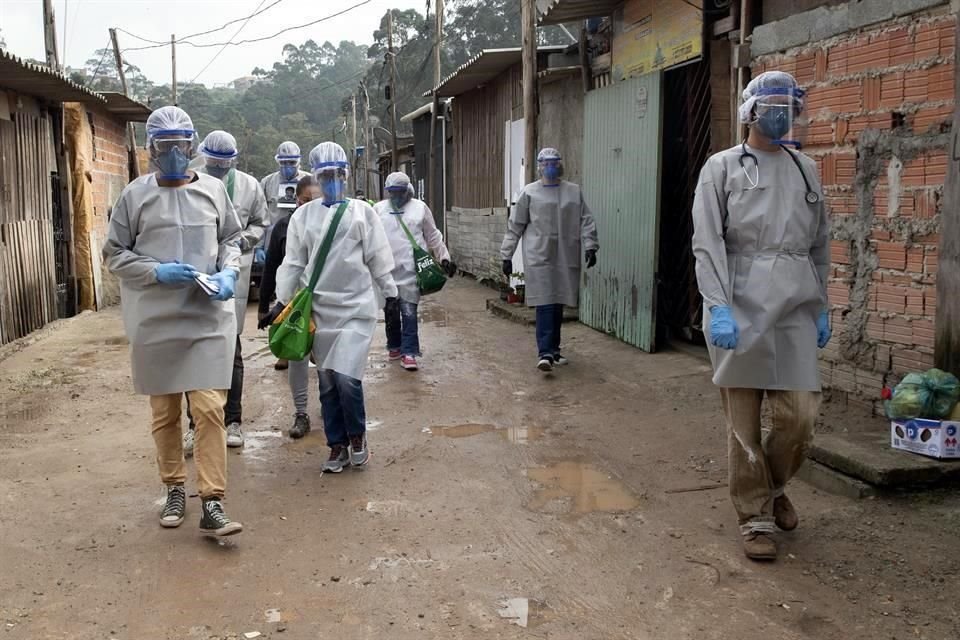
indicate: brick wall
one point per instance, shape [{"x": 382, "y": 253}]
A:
[
  {"x": 474, "y": 237},
  {"x": 109, "y": 177},
  {"x": 880, "y": 104}
]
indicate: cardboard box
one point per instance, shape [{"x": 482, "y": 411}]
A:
[{"x": 932, "y": 438}]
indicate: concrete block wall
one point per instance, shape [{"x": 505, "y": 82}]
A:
[
  {"x": 880, "y": 106},
  {"x": 109, "y": 175},
  {"x": 474, "y": 237}
]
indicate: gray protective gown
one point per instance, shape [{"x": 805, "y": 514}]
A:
[
  {"x": 251, "y": 208},
  {"x": 345, "y": 303},
  {"x": 557, "y": 228},
  {"x": 180, "y": 339},
  {"x": 771, "y": 269}
]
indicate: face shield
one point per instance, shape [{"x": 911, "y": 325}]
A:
[
  {"x": 333, "y": 183},
  {"x": 551, "y": 169},
  {"x": 289, "y": 167},
  {"x": 772, "y": 104},
  {"x": 171, "y": 152}
]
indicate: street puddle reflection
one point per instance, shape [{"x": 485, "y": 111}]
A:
[
  {"x": 516, "y": 435},
  {"x": 577, "y": 487}
]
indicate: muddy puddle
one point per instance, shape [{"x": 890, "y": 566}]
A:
[
  {"x": 515, "y": 435},
  {"x": 577, "y": 487},
  {"x": 260, "y": 445}
]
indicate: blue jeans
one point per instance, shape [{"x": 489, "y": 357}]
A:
[
  {"x": 549, "y": 319},
  {"x": 403, "y": 334},
  {"x": 341, "y": 401}
]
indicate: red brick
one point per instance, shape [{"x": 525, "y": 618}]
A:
[
  {"x": 930, "y": 301},
  {"x": 940, "y": 82},
  {"x": 805, "y": 68},
  {"x": 935, "y": 118},
  {"x": 819, "y": 133},
  {"x": 915, "y": 86},
  {"x": 846, "y": 169},
  {"x": 898, "y": 330},
  {"x": 839, "y": 252},
  {"x": 915, "y": 259},
  {"x": 858, "y": 124},
  {"x": 875, "y": 326},
  {"x": 924, "y": 333},
  {"x": 890, "y": 298},
  {"x": 931, "y": 261},
  {"x": 892, "y": 255},
  {"x": 820, "y": 63},
  {"x": 926, "y": 41},
  {"x": 871, "y": 93},
  {"x": 915, "y": 302},
  {"x": 871, "y": 52},
  {"x": 837, "y": 59},
  {"x": 901, "y": 47},
  {"x": 911, "y": 361},
  {"x": 841, "y": 203},
  {"x": 839, "y": 294},
  {"x": 844, "y": 97},
  {"x": 926, "y": 203},
  {"x": 891, "y": 89}
]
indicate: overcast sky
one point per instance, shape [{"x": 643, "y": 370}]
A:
[{"x": 86, "y": 23}]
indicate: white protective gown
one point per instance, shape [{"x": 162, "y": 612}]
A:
[
  {"x": 771, "y": 268},
  {"x": 345, "y": 303},
  {"x": 419, "y": 220},
  {"x": 180, "y": 339},
  {"x": 251, "y": 208},
  {"x": 271, "y": 186},
  {"x": 557, "y": 229}
]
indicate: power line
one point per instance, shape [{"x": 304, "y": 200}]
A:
[
  {"x": 99, "y": 64},
  {"x": 261, "y": 39},
  {"x": 201, "y": 33},
  {"x": 217, "y": 54}
]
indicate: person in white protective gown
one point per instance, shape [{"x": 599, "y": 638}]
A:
[
  {"x": 761, "y": 244},
  {"x": 346, "y": 299},
  {"x": 403, "y": 334},
  {"x": 558, "y": 230},
  {"x": 170, "y": 231},
  {"x": 219, "y": 153},
  {"x": 288, "y": 174}
]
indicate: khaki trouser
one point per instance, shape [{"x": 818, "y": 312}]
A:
[
  {"x": 210, "y": 446},
  {"x": 759, "y": 468}
]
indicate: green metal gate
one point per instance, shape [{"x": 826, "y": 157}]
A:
[{"x": 621, "y": 181}]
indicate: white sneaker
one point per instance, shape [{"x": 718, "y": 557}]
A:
[
  {"x": 188, "y": 441},
  {"x": 545, "y": 365},
  {"x": 234, "y": 435}
]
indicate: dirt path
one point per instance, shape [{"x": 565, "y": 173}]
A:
[{"x": 490, "y": 484}]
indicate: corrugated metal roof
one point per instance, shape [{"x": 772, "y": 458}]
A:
[
  {"x": 560, "y": 11},
  {"x": 30, "y": 79},
  {"x": 482, "y": 68},
  {"x": 413, "y": 115},
  {"x": 127, "y": 108}
]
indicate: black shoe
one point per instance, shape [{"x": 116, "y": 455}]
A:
[
  {"x": 301, "y": 426},
  {"x": 176, "y": 507},
  {"x": 214, "y": 522}
]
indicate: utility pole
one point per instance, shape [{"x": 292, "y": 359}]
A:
[
  {"x": 50, "y": 35},
  {"x": 529, "y": 43},
  {"x": 131, "y": 133},
  {"x": 395, "y": 154},
  {"x": 353, "y": 139},
  {"x": 173, "y": 61},
  {"x": 432, "y": 199},
  {"x": 366, "y": 139}
]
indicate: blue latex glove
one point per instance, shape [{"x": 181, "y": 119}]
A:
[
  {"x": 823, "y": 329},
  {"x": 724, "y": 332},
  {"x": 175, "y": 273},
  {"x": 259, "y": 255},
  {"x": 227, "y": 279}
]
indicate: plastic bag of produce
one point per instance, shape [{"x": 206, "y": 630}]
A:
[
  {"x": 944, "y": 392},
  {"x": 910, "y": 398}
]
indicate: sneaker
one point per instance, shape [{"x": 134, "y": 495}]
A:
[
  {"x": 759, "y": 546},
  {"x": 214, "y": 522},
  {"x": 281, "y": 365},
  {"x": 188, "y": 441},
  {"x": 784, "y": 515},
  {"x": 560, "y": 360},
  {"x": 409, "y": 363},
  {"x": 175, "y": 508},
  {"x": 339, "y": 457},
  {"x": 234, "y": 435},
  {"x": 301, "y": 426},
  {"x": 394, "y": 355},
  {"x": 545, "y": 364},
  {"x": 359, "y": 451}
]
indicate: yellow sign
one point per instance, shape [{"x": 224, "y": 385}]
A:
[{"x": 650, "y": 35}]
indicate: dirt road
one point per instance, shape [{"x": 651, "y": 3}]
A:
[{"x": 495, "y": 496}]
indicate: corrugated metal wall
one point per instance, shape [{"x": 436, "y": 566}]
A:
[
  {"x": 28, "y": 287},
  {"x": 621, "y": 177},
  {"x": 478, "y": 140}
]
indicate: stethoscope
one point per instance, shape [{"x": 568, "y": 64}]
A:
[{"x": 812, "y": 196}]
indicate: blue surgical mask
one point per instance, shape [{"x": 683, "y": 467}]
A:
[
  {"x": 217, "y": 172},
  {"x": 399, "y": 200},
  {"x": 775, "y": 122},
  {"x": 288, "y": 172},
  {"x": 173, "y": 164},
  {"x": 333, "y": 190},
  {"x": 551, "y": 172}
]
